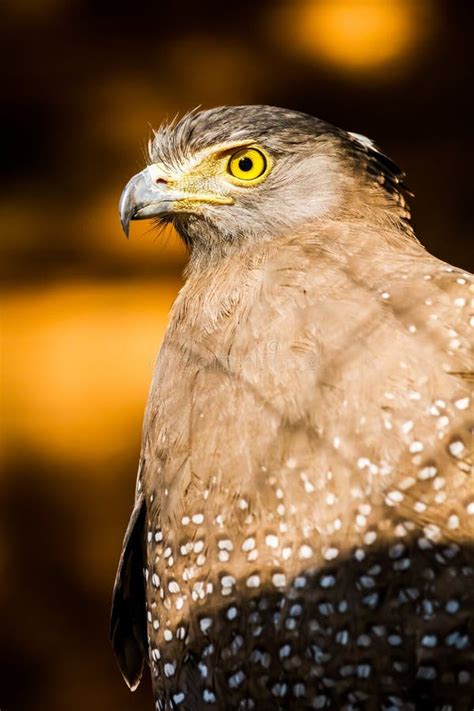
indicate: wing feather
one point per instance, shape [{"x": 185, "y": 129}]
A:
[{"x": 128, "y": 618}]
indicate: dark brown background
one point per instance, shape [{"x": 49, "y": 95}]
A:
[{"x": 85, "y": 310}]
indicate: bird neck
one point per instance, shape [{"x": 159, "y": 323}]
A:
[{"x": 378, "y": 234}]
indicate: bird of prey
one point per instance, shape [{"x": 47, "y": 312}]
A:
[{"x": 302, "y": 535}]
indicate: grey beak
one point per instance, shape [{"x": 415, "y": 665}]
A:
[{"x": 142, "y": 198}]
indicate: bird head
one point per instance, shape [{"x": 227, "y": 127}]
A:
[{"x": 242, "y": 173}]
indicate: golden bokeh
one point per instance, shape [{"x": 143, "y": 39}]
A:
[
  {"x": 359, "y": 35},
  {"x": 79, "y": 358}
]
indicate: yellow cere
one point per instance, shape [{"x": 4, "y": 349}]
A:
[{"x": 248, "y": 165}]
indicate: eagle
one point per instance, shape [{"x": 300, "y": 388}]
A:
[{"x": 303, "y": 529}]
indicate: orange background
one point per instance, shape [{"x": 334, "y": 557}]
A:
[{"x": 84, "y": 310}]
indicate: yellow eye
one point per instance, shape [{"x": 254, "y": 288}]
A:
[{"x": 248, "y": 164}]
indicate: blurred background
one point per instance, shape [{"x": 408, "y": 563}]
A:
[{"x": 84, "y": 310}]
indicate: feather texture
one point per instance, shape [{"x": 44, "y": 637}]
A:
[{"x": 307, "y": 480}]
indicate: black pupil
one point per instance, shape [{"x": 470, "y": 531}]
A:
[{"x": 245, "y": 164}]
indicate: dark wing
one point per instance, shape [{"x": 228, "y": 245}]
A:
[
  {"x": 384, "y": 171},
  {"x": 128, "y": 618}
]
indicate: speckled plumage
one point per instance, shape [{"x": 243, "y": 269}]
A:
[{"x": 305, "y": 502}]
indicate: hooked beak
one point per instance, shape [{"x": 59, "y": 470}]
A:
[
  {"x": 148, "y": 194},
  {"x": 142, "y": 198}
]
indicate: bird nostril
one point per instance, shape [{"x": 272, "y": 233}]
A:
[{"x": 161, "y": 181}]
